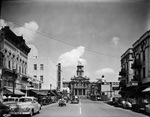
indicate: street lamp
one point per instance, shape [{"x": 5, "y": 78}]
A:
[{"x": 1, "y": 85}]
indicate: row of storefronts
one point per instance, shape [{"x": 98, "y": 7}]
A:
[
  {"x": 135, "y": 68},
  {"x": 13, "y": 65}
]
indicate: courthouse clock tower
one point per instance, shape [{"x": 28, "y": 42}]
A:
[{"x": 80, "y": 71}]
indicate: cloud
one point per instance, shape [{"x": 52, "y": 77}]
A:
[
  {"x": 105, "y": 71},
  {"x": 28, "y": 30},
  {"x": 115, "y": 40},
  {"x": 71, "y": 58}
]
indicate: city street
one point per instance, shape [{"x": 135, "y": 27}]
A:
[{"x": 86, "y": 108}]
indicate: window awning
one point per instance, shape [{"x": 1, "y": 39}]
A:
[
  {"x": 38, "y": 92},
  {"x": 146, "y": 90},
  {"x": 10, "y": 91}
]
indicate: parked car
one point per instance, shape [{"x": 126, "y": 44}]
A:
[
  {"x": 25, "y": 106},
  {"x": 114, "y": 101},
  {"x": 126, "y": 103},
  {"x": 141, "y": 105},
  {"x": 98, "y": 98},
  {"x": 4, "y": 109},
  {"x": 120, "y": 102},
  {"x": 130, "y": 103},
  {"x": 10, "y": 101},
  {"x": 147, "y": 109}
]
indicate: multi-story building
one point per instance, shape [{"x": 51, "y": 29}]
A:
[
  {"x": 127, "y": 81},
  {"x": 14, "y": 76},
  {"x": 126, "y": 72},
  {"x": 141, "y": 56},
  {"x": 135, "y": 63},
  {"x": 41, "y": 69}
]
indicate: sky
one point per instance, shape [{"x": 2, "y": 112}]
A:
[{"x": 96, "y": 32}]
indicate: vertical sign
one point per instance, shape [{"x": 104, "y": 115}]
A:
[{"x": 59, "y": 77}]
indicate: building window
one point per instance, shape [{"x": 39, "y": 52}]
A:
[
  {"x": 41, "y": 66},
  {"x": 143, "y": 55},
  {"x": 35, "y": 76},
  {"x": 41, "y": 78},
  {"x": 9, "y": 64},
  {"x": 35, "y": 66}
]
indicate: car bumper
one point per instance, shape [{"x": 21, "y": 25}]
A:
[{"x": 19, "y": 113}]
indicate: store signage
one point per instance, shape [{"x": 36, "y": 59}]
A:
[
  {"x": 132, "y": 84},
  {"x": 108, "y": 83}
]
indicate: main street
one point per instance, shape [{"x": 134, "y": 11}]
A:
[{"x": 86, "y": 108}]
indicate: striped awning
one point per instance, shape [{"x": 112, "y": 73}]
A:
[{"x": 146, "y": 90}]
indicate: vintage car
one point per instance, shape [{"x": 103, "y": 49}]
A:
[
  {"x": 3, "y": 109},
  {"x": 62, "y": 102},
  {"x": 141, "y": 105},
  {"x": 147, "y": 109},
  {"x": 10, "y": 101},
  {"x": 75, "y": 99},
  {"x": 25, "y": 106}
]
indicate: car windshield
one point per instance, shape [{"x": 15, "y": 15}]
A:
[{"x": 25, "y": 100}]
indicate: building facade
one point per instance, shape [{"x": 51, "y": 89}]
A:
[
  {"x": 135, "y": 63},
  {"x": 14, "y": 76},
  {"x": 79, "y": 85},
  {"x": 41, "y": 68},
  {"x": 127, "y": 72},
  {"x": 141, "y": 55}
]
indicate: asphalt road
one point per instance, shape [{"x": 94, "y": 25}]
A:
[{"x": 86, "y": 108}]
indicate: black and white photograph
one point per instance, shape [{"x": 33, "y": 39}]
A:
[{"x": 75, "y": 58}]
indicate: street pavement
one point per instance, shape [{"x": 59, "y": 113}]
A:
[{"x": 86, "y": 108}]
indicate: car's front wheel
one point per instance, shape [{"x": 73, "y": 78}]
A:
[
  {"x": 12, "y": 115},
  {"x": 39, "y": 110},
  {"x": 31, "y": 113}
]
